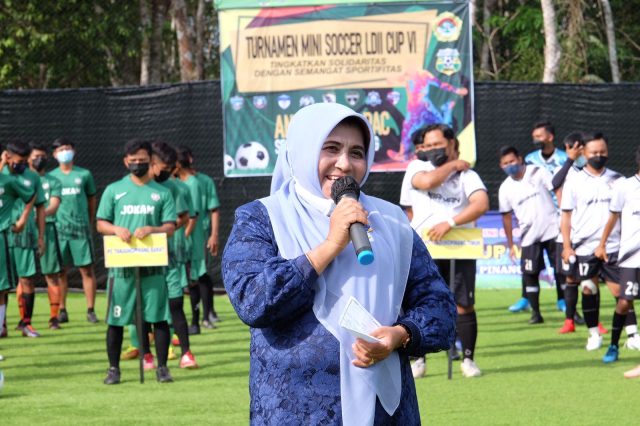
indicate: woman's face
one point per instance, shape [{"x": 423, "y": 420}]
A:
[{"x": 342, "y": 154}]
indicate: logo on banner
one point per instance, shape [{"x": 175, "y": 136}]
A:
[
  {"x": 306, "y": 100},
  {"x": 448, "y": 61},
  {"x": 448, "y": 27},
  {"x": 352, "y": 98},
  {"x": 260, "y": 102},
  {"x": 236, "y": 102},
  {"x": 393, "y": 97},
  {"x": 284, "y": 101},
  {"x": 373, "y": 99},
  {"x": 329, "y": 98}
]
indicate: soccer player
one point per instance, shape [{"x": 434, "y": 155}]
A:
[
  {"x": 624, "y": 208},
  {"x": 585, "y": 211},
  {"x": 549, "y": 157},
  {"x": 75, "y": 219},
  {"x": 439, "y": 193},
  {"x": 11, "y": 190},
  {"x": 137, "y": 206},
  {"x": 50, "y": 260},
  {"x": 24, "y": 244},
  {"x": 527, "y": 193}
]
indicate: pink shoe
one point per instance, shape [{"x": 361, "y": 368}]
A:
[
  {"x": 147, "y": 362},
  {"x": 188, "y": 361}
]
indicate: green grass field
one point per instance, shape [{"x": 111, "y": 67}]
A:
[{"x": 532, "y": 375}]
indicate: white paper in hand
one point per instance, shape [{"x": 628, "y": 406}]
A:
[{"x": 359, "y": 321}]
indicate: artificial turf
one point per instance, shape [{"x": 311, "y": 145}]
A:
[{"x": 531, "y": 375}]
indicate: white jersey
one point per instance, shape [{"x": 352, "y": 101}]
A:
[
  {"x": 573, "y": 171},
  {"x": 588, "y": 198},
  {"x": 436, "y": 205},
  {"x": 626, "y": 201},
  {"x": 530, "y": 199}
]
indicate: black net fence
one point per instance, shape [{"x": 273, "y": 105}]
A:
[{"x": 100, "y": 121}]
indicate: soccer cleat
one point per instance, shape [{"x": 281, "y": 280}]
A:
[
  {"x": 521, "y": 305},
  {"x": 578, "y": 319},
  {"x": 162, "y": 375},
  {"x": 568, "y": 327},
  {"x": 172, "y": 355},
  {"x": 601, "y": 329},
  {"x": 194, "y": 329},
  {"x": 4, "y": 333},
  {"x": 130, "y": 353},
  {"x": 611, "y": 355},
  {"x": 91, "y": 317},
  {"x": 175, "y": 341},
  {"x": 469, "y": 368},
  {"x": 633, "y": 342},
  {"x": 188, "y": 361},
  {"x": 208, "y": 324},
  {"x": 594, "y": 342},
  {"x": 633, "y": 373},
  {"x": 536, "y": 318},
  {"x": 113, "y": 376},
  {"x": 419, "y": 368},
  {"x": 63, "y": 316},
  {"x": 213, "y": 318},
  {"x": 147, "y": 362},
  {"x": 54, "y": 324},
  {"x": 561, "y": 305},
  {"x": 29, "y": 331},
  {"x": 20, "y": 326}
]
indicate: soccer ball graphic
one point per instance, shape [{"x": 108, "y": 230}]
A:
[
  {"x": 229, "y": 163},
  {"x": 252, "y": 155}
]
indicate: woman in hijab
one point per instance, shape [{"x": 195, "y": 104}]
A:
[{"x": 289, "y": 275}]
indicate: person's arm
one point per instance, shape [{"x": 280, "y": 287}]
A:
[
  {"x": 40, "y": 220},
  {"x": 507, "y": 223},
  {"x": 183, "y": 219},
  {"x": 409, "y": 212},
  {"x": 191, "y": 224},
  {"x": 166, "y": 228},
  {"x": 212, "y": 244},
  {"x": 435, "y": 178},
  {"x": 561, "y": 175},
  {"x": 91, "y": 202},
  {"x": 22, "y": 220},
  {"x": 54, "y": 203},
  {"x": 601, "y": 250},
  {"x": 565, "y": 229},
  {"x": 105, "y": 227},
  {"x": 478, "y": 205}
]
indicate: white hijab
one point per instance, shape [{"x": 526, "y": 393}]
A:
[{"x": 299, "y": 216}]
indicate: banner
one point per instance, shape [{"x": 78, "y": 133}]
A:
[
  {"x": 458, "y": 243},
  {"x": 402, "y": 65},
  {"x": 149, "y": 251}
]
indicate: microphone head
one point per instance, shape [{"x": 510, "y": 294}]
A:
[{"x": 344, "y": 185}]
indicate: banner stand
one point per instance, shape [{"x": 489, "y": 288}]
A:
[
  {"x": 139, "y": 321},
  {"x": 452, "y": 275}
]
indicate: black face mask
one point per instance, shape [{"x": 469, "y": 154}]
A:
[
  {"x": 139, "y": 169},
  {"x": 538, "y": 144},
  {"x": 19, "y": 168},
  {"x": 422, "y": 155},
  {"x": 163, "y": 176},
  {"x": 437, "y": 156},
  {"x": 39, "y": 163},
  {"x": 598, "y": 161}
]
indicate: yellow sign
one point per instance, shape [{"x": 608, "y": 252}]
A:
[
  {"x": 150, "y": 251},
  {"x": 459, "y": 243}
]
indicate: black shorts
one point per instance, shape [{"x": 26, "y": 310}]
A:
[
  {"x": 464, "y": 285},
  {"x": 587, "y": 267},
  {"x": 532, "y": 259},
  {"x": 629, "y": 287}
]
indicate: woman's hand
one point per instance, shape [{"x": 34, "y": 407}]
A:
[
  {"x": 367, "y": 354},
  {"x": 347, "y": 211}
]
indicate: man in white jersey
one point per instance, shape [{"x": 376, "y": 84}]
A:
[
  {"x": 439, "y": 192},
  {"x": 585, "y": 211},
  {"x": 624, "y": 207},
  {"x": 527, "y": 193}
]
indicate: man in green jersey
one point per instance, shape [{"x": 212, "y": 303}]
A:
[
  {"x": 51, "y": 259},
  {"x": 24, "y": 244},
  {"x": 11, "y": 190},
  {"x": 75, "y": 219},
  {"x": 137, "y": 206}
]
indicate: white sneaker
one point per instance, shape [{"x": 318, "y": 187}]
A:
[
  {"x": 1, "y": 357},
  {"x": 594, "y": 342},
  {"x": 419, "y": 368},
  {"x": 469, "y": 368},
  {"x": 633, "y": 343}
]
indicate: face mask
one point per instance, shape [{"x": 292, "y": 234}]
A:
[
  {"x": 39, "y": 163},
  {"x": 19, "y": 168},
  {"x": 580, "y": 162},
  {"x": 597, "y": 162},
  {"x": 65, "y": 157},
  {"x": 163, "y": 176},
  {"x": 422, "y": 155},
  {"x": 139, "y": 169},
  {"x": 512, "y": 169},
  {"x": 538, "y": 144},
  {"x": 437, "y": 156}
]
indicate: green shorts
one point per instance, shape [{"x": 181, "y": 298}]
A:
[
  {"x": 122, "y": 299},
  {"x": 7, "y": 274},
  {"x": 51, "y": 260},
  {"x": 24, "y": 260},
  {"x": 76, "y": 252},
  {"x": 177, "y": 281},
  {"x": 197, "y": 268}
]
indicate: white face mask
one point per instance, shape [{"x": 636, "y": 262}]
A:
[
  {"x": 66, "y": 156},
  {"x": 580, "y": 162}
]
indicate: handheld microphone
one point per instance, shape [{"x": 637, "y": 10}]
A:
[{"x": 347, "y": 186}]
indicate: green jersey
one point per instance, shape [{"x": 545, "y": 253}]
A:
[
  {"x": 198, "y": 235},
  {"x": 210, "y": 200},
  {"x": 72, "y": 217},
  {"x": 176, "y": 250},
  {"x": 28, "y": 238},
  {"x": 52, "y": 189},
  {"x": 12, "y": 190},
  {"x": 180, "y": 238}
]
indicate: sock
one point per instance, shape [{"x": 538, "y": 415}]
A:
[
  {"x": 114, "y": 345},
  {"x": 206, "y": 293},
  {"x": 532, "y": 288},
  {"x": 571, "y": 300},
  {"x": 194, "y": 295},
  {"x": 3, "y": 310},
  {"x": 180, "y": 322},
  {"x": 524, "y": 292},
  {"x": 28, "y": 300},
  {"x": 467, "y": 325},
  {"x": 146, "y": 346},
  {"x": 590, "y": 310},
  {"x": 6, "y": 303},
  {"x": 616, "y": 330},
  {"x": 90, "y": 310},
  {"x": 163, "y": 340},
  {"x": 133, "y": 336},
  {"x": 594, "y": 331},
  {"x": 630, "y": 322},
  {"x": 53, "y": 291},
  {"x": 560, "y": 286},
  {"x": 21, "y": 310}
]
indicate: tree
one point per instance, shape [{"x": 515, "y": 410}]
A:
[
  {"x": 611, "y": 41},
  {"x": 551, "y": 46}
]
